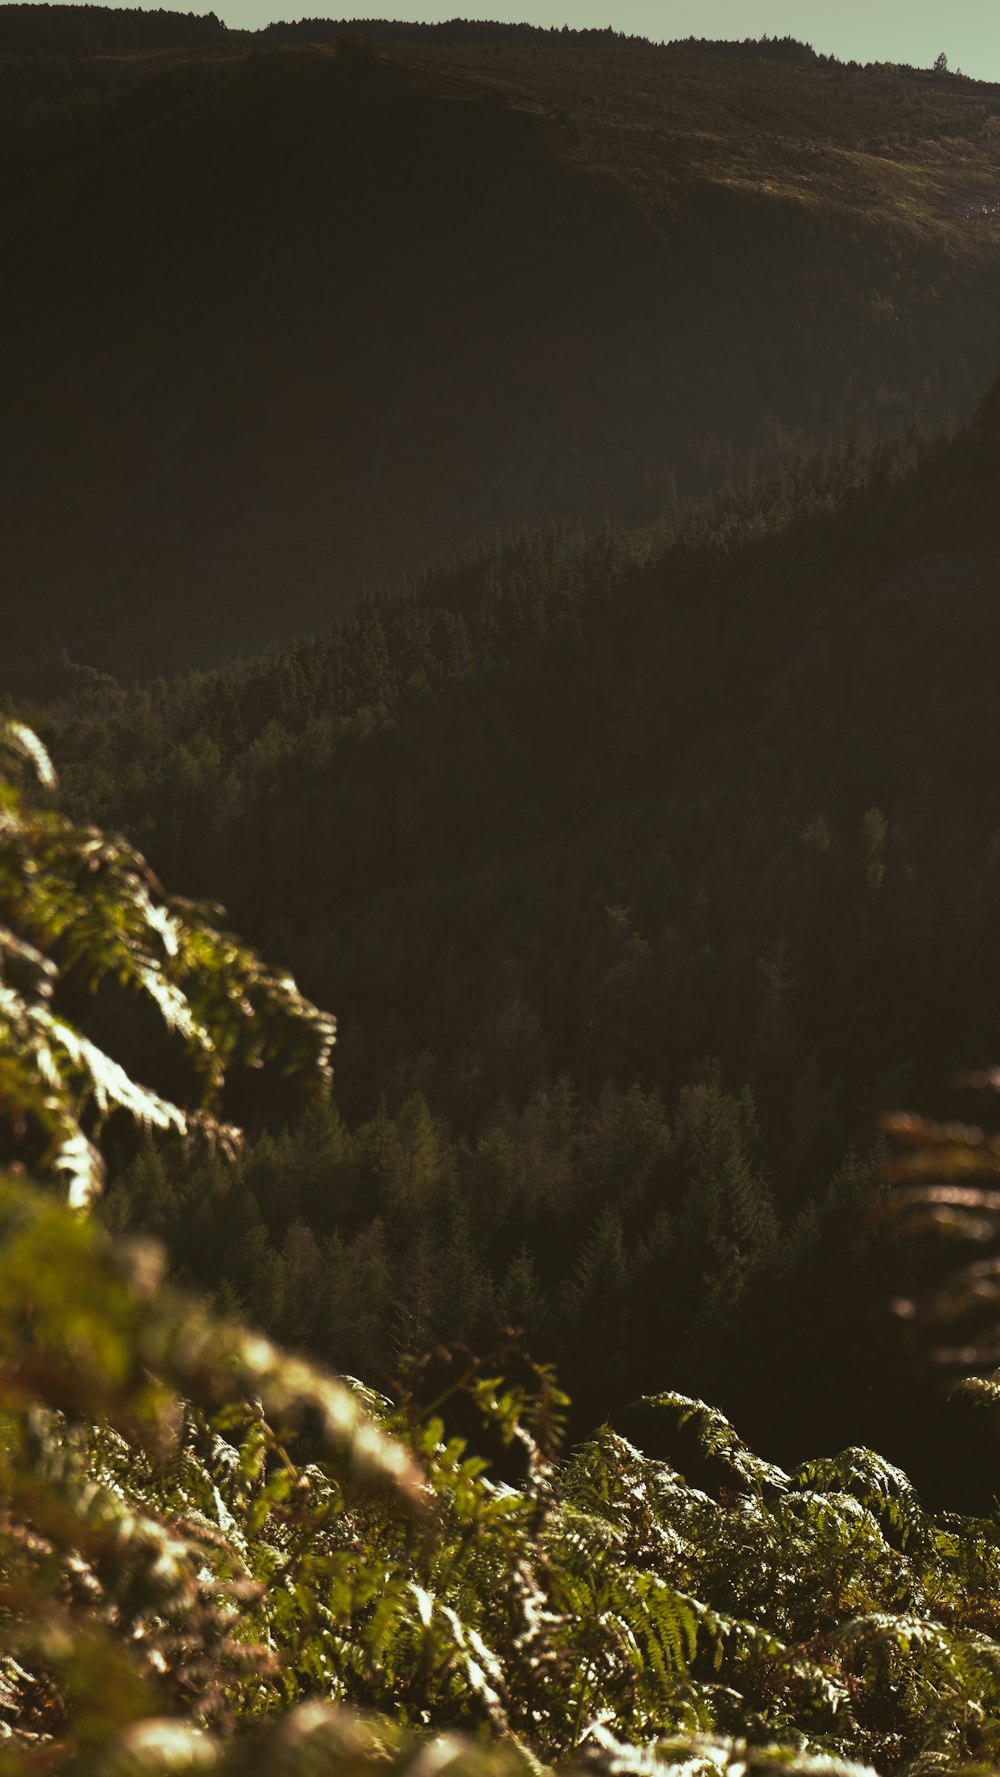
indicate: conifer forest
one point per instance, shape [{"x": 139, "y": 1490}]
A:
[{"x": 507, "y": 522}]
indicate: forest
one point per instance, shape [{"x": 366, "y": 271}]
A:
[{"x": 506, "y": 521}]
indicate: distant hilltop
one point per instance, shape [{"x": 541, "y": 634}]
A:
[
  {"x": 485, "y": 31},
  {"x": 90, "y": 30},
  {"x": 288, "y": 312},
  {"x": 30, "y": 29}
]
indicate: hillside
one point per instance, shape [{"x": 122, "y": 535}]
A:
[
  {"x": 644, "y": 870},
  {"x": 285, "y": 318}
]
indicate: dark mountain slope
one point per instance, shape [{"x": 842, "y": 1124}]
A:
[
  {"x": 263, "y": 388},
  {"x": 632, "y": 721},
  {"x": 333, "y": 314},
  {"x": 548, "y": 832}
]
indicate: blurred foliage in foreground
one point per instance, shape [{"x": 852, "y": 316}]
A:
[{"x": 217, "y": 1558}]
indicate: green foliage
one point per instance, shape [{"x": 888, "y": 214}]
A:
[
  {"x": 107, "y": 1604},
  {"x": 212, "y": 1555},
  {"x": 601, "y": 1602},
  {"x": 625, "y": 1238},
  {"x": 80, "y": 908}
]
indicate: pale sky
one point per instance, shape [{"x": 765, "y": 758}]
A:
[{"x": 915, "y": 31}]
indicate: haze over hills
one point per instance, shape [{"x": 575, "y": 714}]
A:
[{"x": 288, "y": 317}]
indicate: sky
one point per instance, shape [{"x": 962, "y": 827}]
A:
[{"x": 915, "y": 31}]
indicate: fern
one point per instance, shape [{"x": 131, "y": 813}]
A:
[
  {"x": 79, "y": 905},
  {"x": 216, "y": 1557}
]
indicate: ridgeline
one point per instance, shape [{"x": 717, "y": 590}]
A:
[{"x": 291, "y": 312}]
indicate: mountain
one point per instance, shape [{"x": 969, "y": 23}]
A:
[
  {"x": 283, "y": 318},
  {"x": 644, "y": 870}
]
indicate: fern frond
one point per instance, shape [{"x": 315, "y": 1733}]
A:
[{"x": 718, "y": 1439}]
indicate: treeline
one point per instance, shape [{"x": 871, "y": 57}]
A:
[
  {"x": 476, "y": 31},
  {"x": 457, "y": 30},
  {"x": 94, "y": 30},
  {"x": 780, "y": 49},
  {"x": 625, "y": 1240},
  {"x": 84, "y": 29},
  {"x": 775, "y": 49}
]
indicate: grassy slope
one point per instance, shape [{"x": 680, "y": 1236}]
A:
[
  {"x": 329, "y": 317},
  {"x": 892, "y": 145}
]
